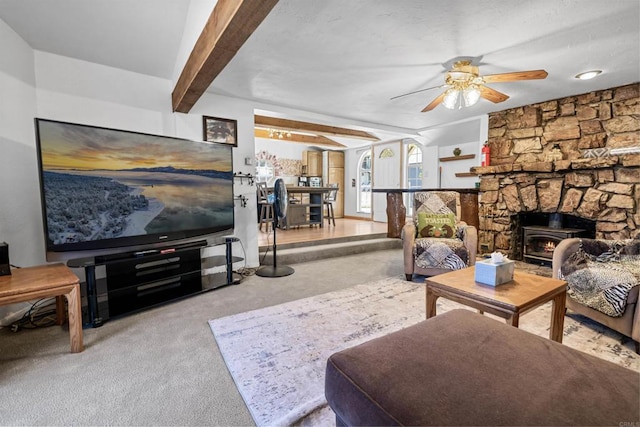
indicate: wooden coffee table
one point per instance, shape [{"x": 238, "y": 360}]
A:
[{"x": 508, "y": 301}]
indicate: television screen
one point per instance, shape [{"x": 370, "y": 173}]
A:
[{"x": 105, "y": 188}]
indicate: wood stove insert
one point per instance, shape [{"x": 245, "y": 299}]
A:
[{"x": 541, "y": 241}]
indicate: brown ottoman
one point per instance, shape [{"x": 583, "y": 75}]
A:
[{"x": 461, "y": 368}]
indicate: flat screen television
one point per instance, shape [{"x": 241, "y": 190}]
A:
[{"x": 105, "y": 188}]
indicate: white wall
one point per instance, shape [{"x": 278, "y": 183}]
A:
[
  {"x": 430, "y": 164},
  {"x": 83, "y": 92},
  {"x": 448, "y": 179},
  {"x": 20, "y": 219},
  {"x": 190, "y": 124},
  {"x": 469, "y": 135},
  {"x": 197, "y": 17}
]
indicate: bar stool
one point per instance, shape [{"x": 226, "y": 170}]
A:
[
  {"x": 266, "y": 208},
  {"x": 329, "y": 198}
]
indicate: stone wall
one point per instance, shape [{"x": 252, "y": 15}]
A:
[{"x": 555, "y": 157}]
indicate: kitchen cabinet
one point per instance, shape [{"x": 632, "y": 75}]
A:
[
  {"x": 312, "y": 163},
  {"x": 297, "y": 214},
  {"x": 308, "y": 208},
  {"x": 336, "y": 159},
  {"x": 334, "y": 174}
]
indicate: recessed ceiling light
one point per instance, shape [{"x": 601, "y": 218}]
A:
[{"x": 588, "y": 74}]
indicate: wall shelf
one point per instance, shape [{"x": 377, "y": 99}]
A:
[
  {"x": 454, "y": 158},
  {"x": 239, "y": 175},
  {"x": 465, "y": 174}
]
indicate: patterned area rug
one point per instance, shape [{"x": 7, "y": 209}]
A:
[
  {"x": 540, "y": 270},
  {"x": 277, "y": 355}
]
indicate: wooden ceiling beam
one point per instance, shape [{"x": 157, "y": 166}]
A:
[
  {"x": 299, "y": 138},
  {"x": 293, "y": 125},
  {"x": 229, "y": 26}
]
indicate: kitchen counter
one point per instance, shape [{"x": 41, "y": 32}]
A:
[
  {"x": 297, "y": 189},
  {"x": 308, "y": 209}
]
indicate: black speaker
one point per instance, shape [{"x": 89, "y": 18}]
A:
[{"x": 5, "y": 269}]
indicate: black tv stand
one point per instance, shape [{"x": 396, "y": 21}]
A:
[{"x": 137, "y": 280}]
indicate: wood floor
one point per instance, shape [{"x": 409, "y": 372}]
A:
[{"x": 343, "y": 228}]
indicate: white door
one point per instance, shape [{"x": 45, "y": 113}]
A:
[{"x": 386, "y": 163}]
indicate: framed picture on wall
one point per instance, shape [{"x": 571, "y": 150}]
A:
[{"x": 220, "y": 130}]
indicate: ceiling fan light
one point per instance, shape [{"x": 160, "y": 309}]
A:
[
  {"x": 588, "y": 74},
  {"x": 471, "y": 95},
  {"x": 458, "y": 76},
  {"x": 451, "y": 99}
]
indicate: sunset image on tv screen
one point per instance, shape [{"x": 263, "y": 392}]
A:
[{"x": 102, "y": 184}]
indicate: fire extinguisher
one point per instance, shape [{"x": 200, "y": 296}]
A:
[{"x": 486, "y": 155}]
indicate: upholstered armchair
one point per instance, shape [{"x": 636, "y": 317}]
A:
[
  {"x": 436, "y": 241},
  {"x": 603, "y": 281}
]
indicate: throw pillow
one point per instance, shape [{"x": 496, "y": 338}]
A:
[{"x": 436, "y": 225}]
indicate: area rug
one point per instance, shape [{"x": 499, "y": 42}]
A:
[{"x": 277, "y": 355}]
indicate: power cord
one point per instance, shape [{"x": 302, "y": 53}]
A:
[
  {"x": 268, "y": 246},
  {"x": 42, "y": 313},
  {"x": 245, "y": 271}
]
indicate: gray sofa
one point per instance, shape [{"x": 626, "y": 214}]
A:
[{"x": 628, "y": 324}]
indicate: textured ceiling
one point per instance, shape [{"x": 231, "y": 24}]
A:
[
  {"x": 141, "y": 36},
  {"x": 347, "y": 59}
]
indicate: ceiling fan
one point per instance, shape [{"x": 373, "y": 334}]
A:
[{"x": 465, "y": 86}]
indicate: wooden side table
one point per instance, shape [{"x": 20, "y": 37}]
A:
[
  {"x": 46, "y": 281},
  {"x": 508, "y": 301}
]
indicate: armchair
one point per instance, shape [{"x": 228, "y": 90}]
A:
[
  {"x": 436, "y": 241},
  {"x": 602, "y": 277}
]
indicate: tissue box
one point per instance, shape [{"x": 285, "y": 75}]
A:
[{"x": 494, "y": 274}]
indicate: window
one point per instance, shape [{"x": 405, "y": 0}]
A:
[
  {"x": 264, "y": 171},
  {"x": 414, "y": 173},
  {"x": 364, "y": 183},
  {"x": 386, "y": 153}
]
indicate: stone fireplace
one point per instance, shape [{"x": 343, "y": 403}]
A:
[{"x": 556, "y": 157}]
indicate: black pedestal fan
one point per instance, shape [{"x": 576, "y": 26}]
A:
[{"x": 280, "y": 207}]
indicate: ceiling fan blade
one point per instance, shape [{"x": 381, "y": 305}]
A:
[
  {"x": 416, "y": 91},
  {"x": 515, "y": 76},
  {"x": 492, "y": 94},
  {"x": 434, "y": 103}
]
